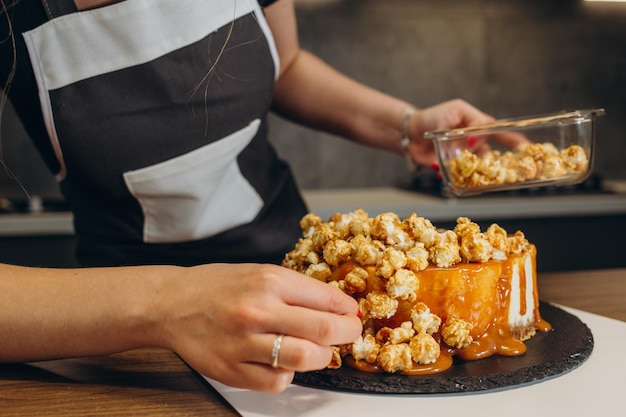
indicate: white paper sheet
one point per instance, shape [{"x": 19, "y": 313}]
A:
[{"x": 596, "y": 388}]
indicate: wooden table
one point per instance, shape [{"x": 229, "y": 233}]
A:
[
  {"x": 154, "y": 382},
  {"x": 599, "y": 291}
]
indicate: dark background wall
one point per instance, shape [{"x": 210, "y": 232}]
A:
[{"x": 509, "y": 57}]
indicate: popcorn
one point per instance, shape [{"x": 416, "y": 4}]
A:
[
  {"x": 553, "y": 166},
  {"x": 575, "y": 158},
  {"x": 390, "y": 261},
  {"x": 365, "y": 348},
  {"x": 474, "y": 245},
  {"x": 384, "y": 225},
  {"x": 517, "y": 243},
  {"x": 366, "y": 252},
  {"x": 322, "y": 234},
  {"x": 393, "y": 358},
  {"x": 400, "y": 239},
  {"x": 424, "y": 348},
  {"x": 320, "y": 271},
  {"x": 417, "y": 258},
  {"x": 309, "y": 223},
  {"x": 361, "y": 224},
  {"x": 526, "y": 168},
  {"x": 401, "y": 334},
  {"x": 380, "y": 305},
  {"x": 403, "y": 285},
  {"x": 456, "y": 332},
  {"x": 341, "y": 285},
  {"x": 378, "y": 260},
  {"x": 335, "y": 362},
  {"x": 356, "y": 280},
  {"x": 420, "y": 229},
  {"x": 497, "y": 238},
  {"x": 423, "y": 320},
  {"x": 337, "y": 251},
  {"x": 445, "y": 252},
  {"x": 465, "y": 164},
  {"x": 529, "y": 161}
]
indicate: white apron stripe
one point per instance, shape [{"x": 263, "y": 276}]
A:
[
  {"x": 86, "y": 44},
  {"x": 94, "y": 42}
]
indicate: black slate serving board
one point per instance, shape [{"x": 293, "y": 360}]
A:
[{"x": 548, "y": 355}]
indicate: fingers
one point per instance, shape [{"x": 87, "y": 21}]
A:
[
  {"x": 229, "y": 331},
  {"x": 475, "y": 117},
  {"x": 471, "y": 116},
  {"x": 316, "y": 311},
  {"x": 290, "y": 353},
  {"x": 313, "y": 316},
  {"x": 511, "y": 139},
  {"x": 304, "y": 291},
  {"x": 455, "y": 114},
  {"x": 319, "y": 327},
  {"x": 256, "y": 376},
  {"x": 257, "y": 373}
]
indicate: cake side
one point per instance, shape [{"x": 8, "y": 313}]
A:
[
  {"x": 522, "y": 308},
  {"x": 523, "y": 316}
]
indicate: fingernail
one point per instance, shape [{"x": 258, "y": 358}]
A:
[
  {"x": 471, "y": 141},
  {"x": 435, "y": 166},
  {"x": 358, "y": 313}
]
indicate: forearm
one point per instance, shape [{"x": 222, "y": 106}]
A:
[
  {"x": 312, "y": 93},
  {"x": 59, "y": 313}
]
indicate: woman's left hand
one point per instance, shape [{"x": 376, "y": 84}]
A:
[{"x": 447, "y": 115}]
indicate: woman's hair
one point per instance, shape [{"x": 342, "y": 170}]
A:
[
  {"x": 5, "y": 6},
  {"x": 7, "y": 37}
]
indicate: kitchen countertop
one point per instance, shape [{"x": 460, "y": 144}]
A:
[
  {"x": 155, "y": 382},
  {"x": 326, "y": 202},
  {"x": 36, "y": 224},
  {"x": 376, "y": 200}
]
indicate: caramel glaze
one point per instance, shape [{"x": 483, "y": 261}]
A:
[
  {"x": 477, "y": 293},
  {"x": 444, "y": 361}
]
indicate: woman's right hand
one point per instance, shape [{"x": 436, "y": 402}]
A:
[{"x": 223, "y": 319}]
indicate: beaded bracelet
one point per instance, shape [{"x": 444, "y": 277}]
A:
[{"x": 406, "y": 140}]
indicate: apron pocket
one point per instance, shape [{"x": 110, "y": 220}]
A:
[{"x": 198, "y": 194}]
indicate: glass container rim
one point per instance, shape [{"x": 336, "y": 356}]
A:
[{"x": 519, "y": 123}]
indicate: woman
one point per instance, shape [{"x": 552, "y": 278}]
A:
[{"x": 152, "y": 115}]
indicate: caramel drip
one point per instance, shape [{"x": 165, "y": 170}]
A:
[
  {"x": 522, "y": 287},
  {"x": 443, "y": 362},
  {"x": 496, "y": 341},
  {"x": 363, "y": 366},
  {"x": 540, "y": 324}
]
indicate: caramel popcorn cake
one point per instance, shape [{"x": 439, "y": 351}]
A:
[
  {"x": 425, "y": 295},
  {"x": 528, "y": 162}
]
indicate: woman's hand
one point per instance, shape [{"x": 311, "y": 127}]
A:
[
  {"x": 451, "y": 115},
  {"x": 223, "y": 321},
  {"x": 447, "y": 115}
]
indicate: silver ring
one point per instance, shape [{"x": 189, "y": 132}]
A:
[{"x": 276, "y": 350}]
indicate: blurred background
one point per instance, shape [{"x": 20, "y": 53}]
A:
[{"x": 508, "y": 57}]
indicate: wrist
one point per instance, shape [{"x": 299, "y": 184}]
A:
[
  {"x": 405, "y": 141},
  {"x": 148, "y": 309}
]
